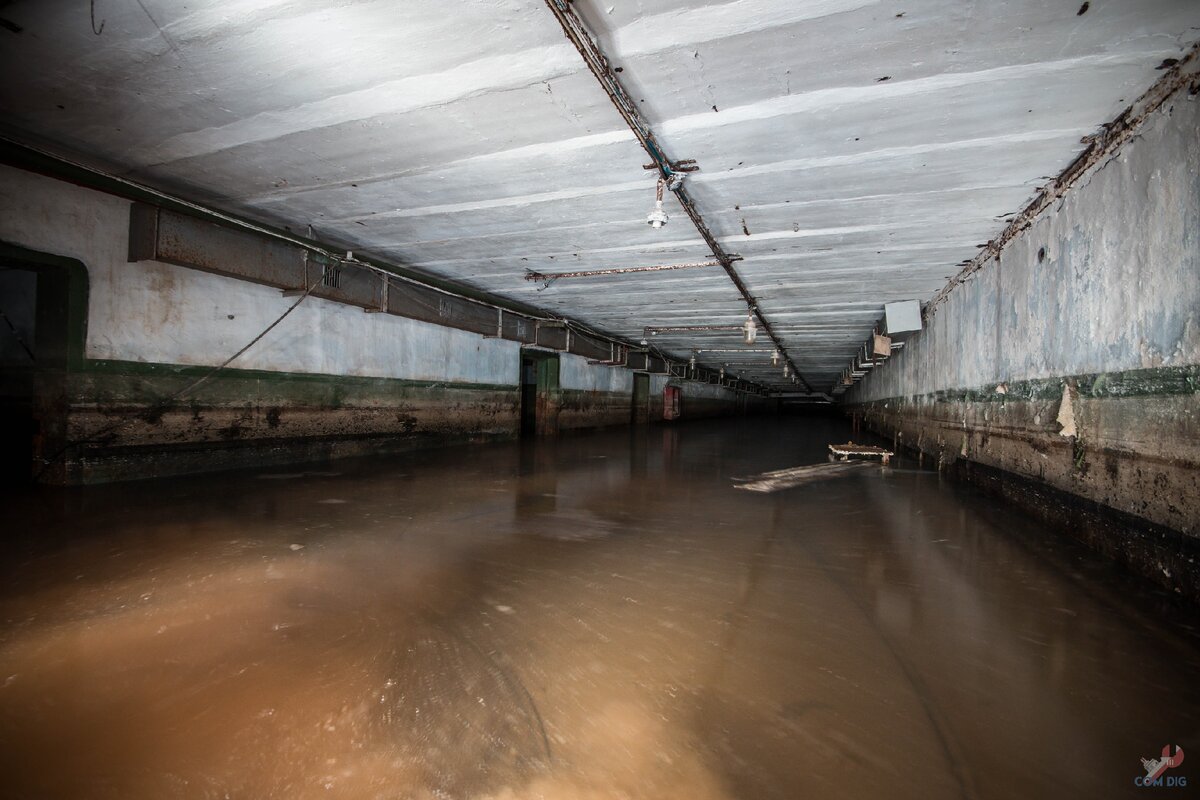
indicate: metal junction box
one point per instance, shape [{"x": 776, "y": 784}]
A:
[{"x": 903, "y": 316}]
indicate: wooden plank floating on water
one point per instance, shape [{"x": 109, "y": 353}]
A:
[
  {"x": 845, "y": 451},
  {"x": 798, "y": 476}
]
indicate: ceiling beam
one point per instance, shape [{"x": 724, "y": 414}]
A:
[{"x": 550, "y": 277}]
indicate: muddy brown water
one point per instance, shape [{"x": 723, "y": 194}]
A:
[{"x": 599, "y": 616}]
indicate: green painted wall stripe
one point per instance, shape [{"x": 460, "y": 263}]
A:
[
  {"x": 1151, "y": 382},
  {"x": 271, "y": 376}
]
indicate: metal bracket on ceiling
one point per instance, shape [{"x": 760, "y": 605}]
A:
[
  {"x": 612, "y": 358},
  {"x": 304, "y": 282},
  {"x": 545, "y": 323},
  {"x": 655, "y": 330},
  {"x": 499, "y": 326},
  {"x": 546, "y": 280},
  {"x": 383, "y": 296},
  {"x": 305, "y": 258},
  {"x": 682, "y": 165}
]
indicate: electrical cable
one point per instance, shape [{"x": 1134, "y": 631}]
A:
[
  {"x": 163, "y": 403},
  {"x": 261, "y": 229},
  {"x": 96, "y": 30},
  {"x": 17, "y": 335},
  {"x": 307, "y": 245}
]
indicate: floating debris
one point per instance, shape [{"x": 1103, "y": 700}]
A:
[
  {"x": 286, "y": 476},
  {"x": 845, "y": 451},
  {"x": 799, "y": 476}
]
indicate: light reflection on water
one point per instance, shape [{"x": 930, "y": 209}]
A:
[{"x": 601, "y": 616}]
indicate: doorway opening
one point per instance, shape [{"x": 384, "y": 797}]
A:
[
  {"x": 539, "y": 393},
  {"x": 641, "y": 398},
  {"x": 18, "y": 371},
  {"x": 43, "y": 318}
]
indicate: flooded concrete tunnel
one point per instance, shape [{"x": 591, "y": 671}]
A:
[{"x": 697, "y": 400}]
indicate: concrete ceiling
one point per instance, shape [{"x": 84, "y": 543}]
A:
[{"x": 851, "y": 151}]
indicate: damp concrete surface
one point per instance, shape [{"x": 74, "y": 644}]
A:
[{"x": 596, "y": 616}]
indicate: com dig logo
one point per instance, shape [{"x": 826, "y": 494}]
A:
[{"x": 1155, "y": 767}]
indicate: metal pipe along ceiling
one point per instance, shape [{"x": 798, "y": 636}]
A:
[{"x": 597, "y": 62}]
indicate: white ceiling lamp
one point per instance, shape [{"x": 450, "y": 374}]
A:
[
  {"x": 775, "y": 358},
  {"x": 749, "y": 330},
  {"x": 787, "y": 370},
  {"x": 657, "y": 216}
]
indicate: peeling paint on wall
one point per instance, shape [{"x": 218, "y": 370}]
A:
[
  {"x": 1072, "y": 361},
  {"x": 329, "y": 381},
  {"x": 1066, "y": 413}
]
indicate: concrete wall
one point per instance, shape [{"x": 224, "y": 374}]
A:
[
  {"x": 1071, "y": 361},
  {"x": 329, "y": 381},
  {"x": 709, "y": 400},
  {"x": 604, "y": 396},
  {"x": 592, "y": 395}
]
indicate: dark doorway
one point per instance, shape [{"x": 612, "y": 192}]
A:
[
  {"x": 641, "y": 398},
  {"x": 539, "y": 393},
  {"x": 528, "y": 396},
  {"x": 42, "y": 333},
  {"x": 18, "y": 371}
]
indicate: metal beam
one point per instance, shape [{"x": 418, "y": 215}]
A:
[
  {"x": 550, "y": 277},
  {"x": 282, "y": 254},
  {"x": 657, "y": 329}
]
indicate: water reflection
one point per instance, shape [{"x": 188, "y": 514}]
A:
[{"x": 594, "y": 617}]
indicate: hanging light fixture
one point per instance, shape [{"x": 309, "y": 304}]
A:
[
  {"x": 775, "y": 358},
  {"x": 721, "y": 375},
  {"x": 787, "y": 370},
  {"x": 657, "y": 216},
  {"x": 749, "y": 330}
]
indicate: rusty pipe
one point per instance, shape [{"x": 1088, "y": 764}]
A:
[
  {"x": 577, "y": 33},
  {"x": 596, "y": 273}
]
